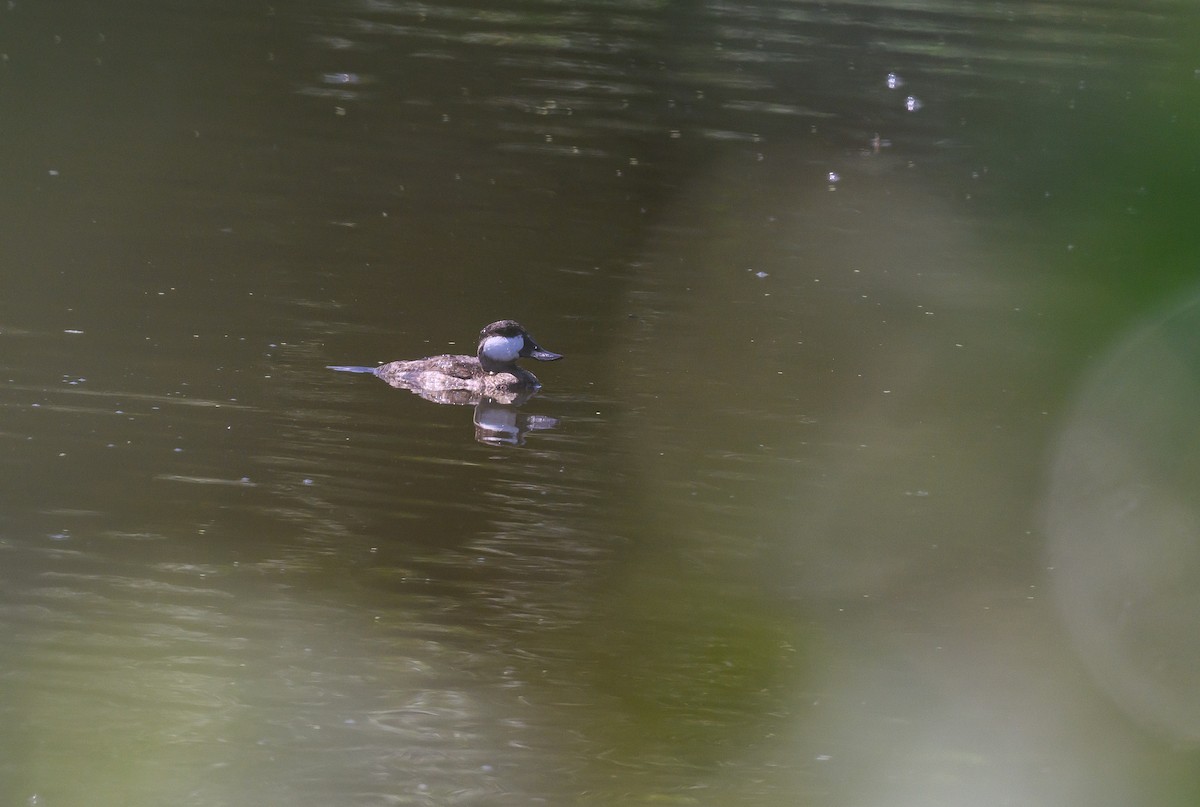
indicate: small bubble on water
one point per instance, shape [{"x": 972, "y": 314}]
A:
[
  {"x": 912, "y": 103},
  {"x": 833, "y": 177},
  {"x": 894, "y": 81}
]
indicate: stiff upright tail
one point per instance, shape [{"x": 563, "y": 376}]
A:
[{"x": 342, "y": 369}]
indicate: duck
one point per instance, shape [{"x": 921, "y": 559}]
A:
[{"x": 492, "y": 372}]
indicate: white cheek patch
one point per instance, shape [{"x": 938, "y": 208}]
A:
[{"x": 503, "y": 348}]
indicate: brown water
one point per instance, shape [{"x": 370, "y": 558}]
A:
[{"x": 868, "y": 477}]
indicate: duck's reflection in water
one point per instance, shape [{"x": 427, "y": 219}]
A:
[{"x": 500, "y": 424}]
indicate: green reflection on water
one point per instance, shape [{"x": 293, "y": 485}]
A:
[{"x": 701, "y": 674}]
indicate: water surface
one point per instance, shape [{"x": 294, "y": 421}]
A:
[{"x": 869, "y": 476}]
